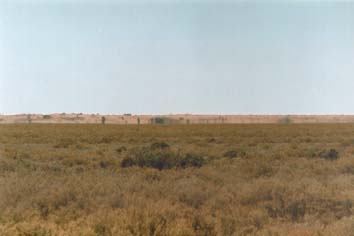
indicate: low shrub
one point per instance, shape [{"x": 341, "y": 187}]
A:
[
  {"x": 121, "y": 149},
  {"x": 191, "y": 160},
  {"x": 127, "y": 162},
  {"x": 148, "y": 223},
  {"x": 104, "y": 164},
  {"x": 203, "y": 227},
  {"x": 330, "y": 155},
  {"x": 160, "y": 145},
  {"x": 295, "y": 211},
  {"x": 101, "y": 229},
  {"x": 234, "y": 153},
  {"x": 263, "y": 170},
  {"x": 162, "y": 159},
  {"x": 43, "y": 208},
  {"x": 106, "y": 139},
  {"x": 64, "y": 143},
  {"x": 230, "y": 154},
  {"x": 155, "y": 159}
]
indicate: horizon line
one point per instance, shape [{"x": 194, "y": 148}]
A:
[{"x": 184, "y": 114}]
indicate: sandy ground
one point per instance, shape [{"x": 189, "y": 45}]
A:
[{"x": 178, "y": 118}]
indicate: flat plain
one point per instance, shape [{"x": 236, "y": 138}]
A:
[{"x": 183, "y": 180}]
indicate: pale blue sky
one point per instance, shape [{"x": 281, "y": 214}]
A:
[{"x": 145, "y": 57}]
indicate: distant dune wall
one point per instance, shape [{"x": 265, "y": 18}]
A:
[{"x": 173, "y": 119}]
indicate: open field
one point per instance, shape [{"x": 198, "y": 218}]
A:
[{"x": 183, "y": 180}]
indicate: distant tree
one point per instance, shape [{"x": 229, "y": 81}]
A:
[
  {"x": 29, "y": 119},
  {"x": 285, "y": 120},
  {"x": 157, "y": 120},
  {"x": 161, "y": 120},
  {"x": 180, "y": 120},
  {"x": 103, "y": 120},
  {"x": 47, "y": 117}
]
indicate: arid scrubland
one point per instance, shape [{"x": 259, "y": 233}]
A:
[{"x": 178, "y": 180}]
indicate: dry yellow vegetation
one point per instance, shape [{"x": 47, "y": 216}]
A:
[{"x": 179, "y": 180}]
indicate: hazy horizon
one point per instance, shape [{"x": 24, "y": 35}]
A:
[
  {"x": 196, "y": 57},
  {"x": 179, "y": 114}
]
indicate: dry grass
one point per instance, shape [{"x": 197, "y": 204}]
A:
[{"x": 254, "y": 180}]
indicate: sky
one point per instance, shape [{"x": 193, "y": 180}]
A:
[{"x": 177, "y": 56}]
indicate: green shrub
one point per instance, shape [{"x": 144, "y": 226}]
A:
[
  {"x": 156, "y": 159},
  {"x": 101, "y": 229},
  {"x": 234, "y": 153},
  {"x": 104, "y": 164},
  {"x": 330, "y": 155},
  {"x": 295, "y": 211},
  {"x": 127, "y": 162},
  {"x": 230, "y": 154},
  {"x": 160, "y": 145},
  {"x": 162, "y": 159},
  {"x": 191, "y": 160}
]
